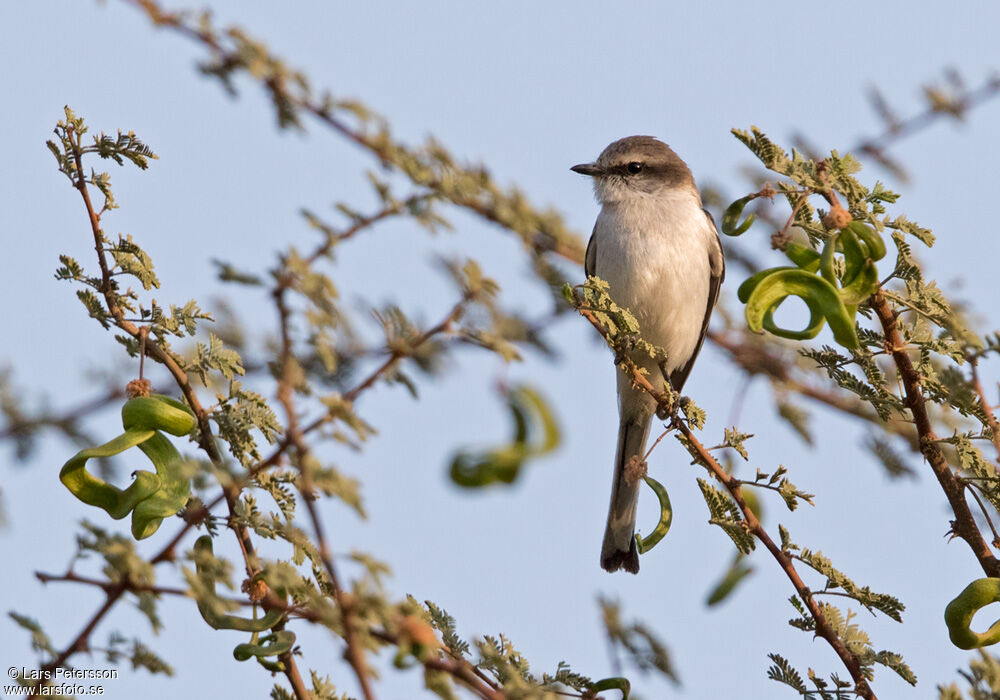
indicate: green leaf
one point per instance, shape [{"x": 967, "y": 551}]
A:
[
  {"x": 731, "y": 225},
  {"x": 726, "y": 514},
  {"x": 616, "y": 683},
  {"x": 818, "y": 294},
  {"x": 783, "y": 672},
  {"x": 737, "y": 571},
  {"x": 39, "y": 640},
  {"x": 535, "y": 433},
  {"x": 644, "y": 544},
  {"x": 735, "y": 440}
]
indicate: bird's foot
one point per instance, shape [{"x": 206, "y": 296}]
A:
[{"x": 623, "y": 349}]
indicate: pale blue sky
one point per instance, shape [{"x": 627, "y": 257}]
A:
[{"x": 529, "y": 90}]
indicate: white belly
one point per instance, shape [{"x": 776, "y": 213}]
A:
[{"x": 654, "y": 256}]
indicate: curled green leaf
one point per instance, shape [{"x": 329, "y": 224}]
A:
[
  {"x": 812, "y": 329},
  {"x": 535, "y": 433},
  {"x": 804, "y": 257},
  {"x": 816, "y": 317},
  {"x": 855, "y": 256},
  {"x": 644, "y": 544},
  {"x": 271, "y": 645},
  {"x": 744, "y": 291},
  {"x": 819, "y": 295},
  {"x": 862, "y": 286},
  {"x": 220, "y": 621},
  {"x": 731, "y": 218},
  {"x": 827, "y": 268},
  {"x": 151, "y": 497},
  {"x": 872, "y": 240},
  {"x": 959, "y": 613},
  {"x": 617, "y": 683}
]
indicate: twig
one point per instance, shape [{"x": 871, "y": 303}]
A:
[
  {"x": 457, "y": 667},
  {"x": 129, "y": 586},
  {"x": 205, "y": 439},
  {"x": 754, "y": 526},
  {"x": 900, "y": 129},
  {"x": 991, "y": 418},
  {"x": 753, "y": 358},
  {"x": 334, "y": 237},
  {"x": 62, "y": 421},
  {"x": 972, "y": 486},
  {"x": 355, "y": 654},
  {"x": 656, "y": 442},
  {"x": 80, "y": 642},
  {"x": 779, "y": 240}
]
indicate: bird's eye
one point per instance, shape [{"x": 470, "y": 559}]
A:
[{"x": 634, "y": 167}]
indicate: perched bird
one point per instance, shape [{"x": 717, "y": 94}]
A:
[{"x": 659, "y": 252}]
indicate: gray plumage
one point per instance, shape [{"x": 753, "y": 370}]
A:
[{"x": 660, "y": 253}]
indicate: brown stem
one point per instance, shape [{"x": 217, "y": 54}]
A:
[
  {"x": 991, "y": 419},
  {"x": 461, "y": 669},
  {"x": 780, "y": 239},
  {"x": 354, "y": 654},
  {"x": 897, "y": 130},
  {"x": 972, "y": 486},
  {"x": 752, "y": 357},
  {"x": 205, "y": 439},
  {"x": 82, "y": 640},
  {"x": 294, "y": 677},
  {"x": 359, "y": 225},
  {"x": 129, "y": 586},
  {"x": 964, "y": 524},
  {"x": 67, "y": 419},
  {"x": 754, "y": 526}
]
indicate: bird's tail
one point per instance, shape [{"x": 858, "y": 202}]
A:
[{"x": 619, "y": 550}]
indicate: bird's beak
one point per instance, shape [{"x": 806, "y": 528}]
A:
[{"x": 591, "y": 169}]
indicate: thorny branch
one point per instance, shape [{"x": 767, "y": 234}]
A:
[
  {"x": 940, "y": 105},
  {"x": 205, "y": 438},
  {"x": 354, "y": 654},
  {"x": 984, "y": 403},
  {"x": 964, "y": 524},
  {"x": 752, "y": 523},
  {"x": 65, "y": 422}
]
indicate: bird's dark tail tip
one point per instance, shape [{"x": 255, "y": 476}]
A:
[{"x": 621, "y": 559}]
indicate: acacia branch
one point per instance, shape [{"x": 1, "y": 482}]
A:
[
  {"x": 65, "y": 421},
  {"x": 753, "y": 358},
  {"x": 964, "y": 524},
  {"x": 991, "y": 419},
  {"x": 129, "y": 585},
  {"x": 938, "y": 107},
  {"x": 206, "y": 440},
  {"x": 355, "y": 654},
  {"x": 361, "y": 223},
  {"x": 750, "y": 521},
  {"x": 81, "y": 641},
  {"x": 108, "y": 289}
]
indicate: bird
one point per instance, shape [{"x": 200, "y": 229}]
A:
[{"x": 659, "y": 251}]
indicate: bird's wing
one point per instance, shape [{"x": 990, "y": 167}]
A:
[
  {"x": 590, "y": 259},
  {"x": 717, "y": 270}
]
